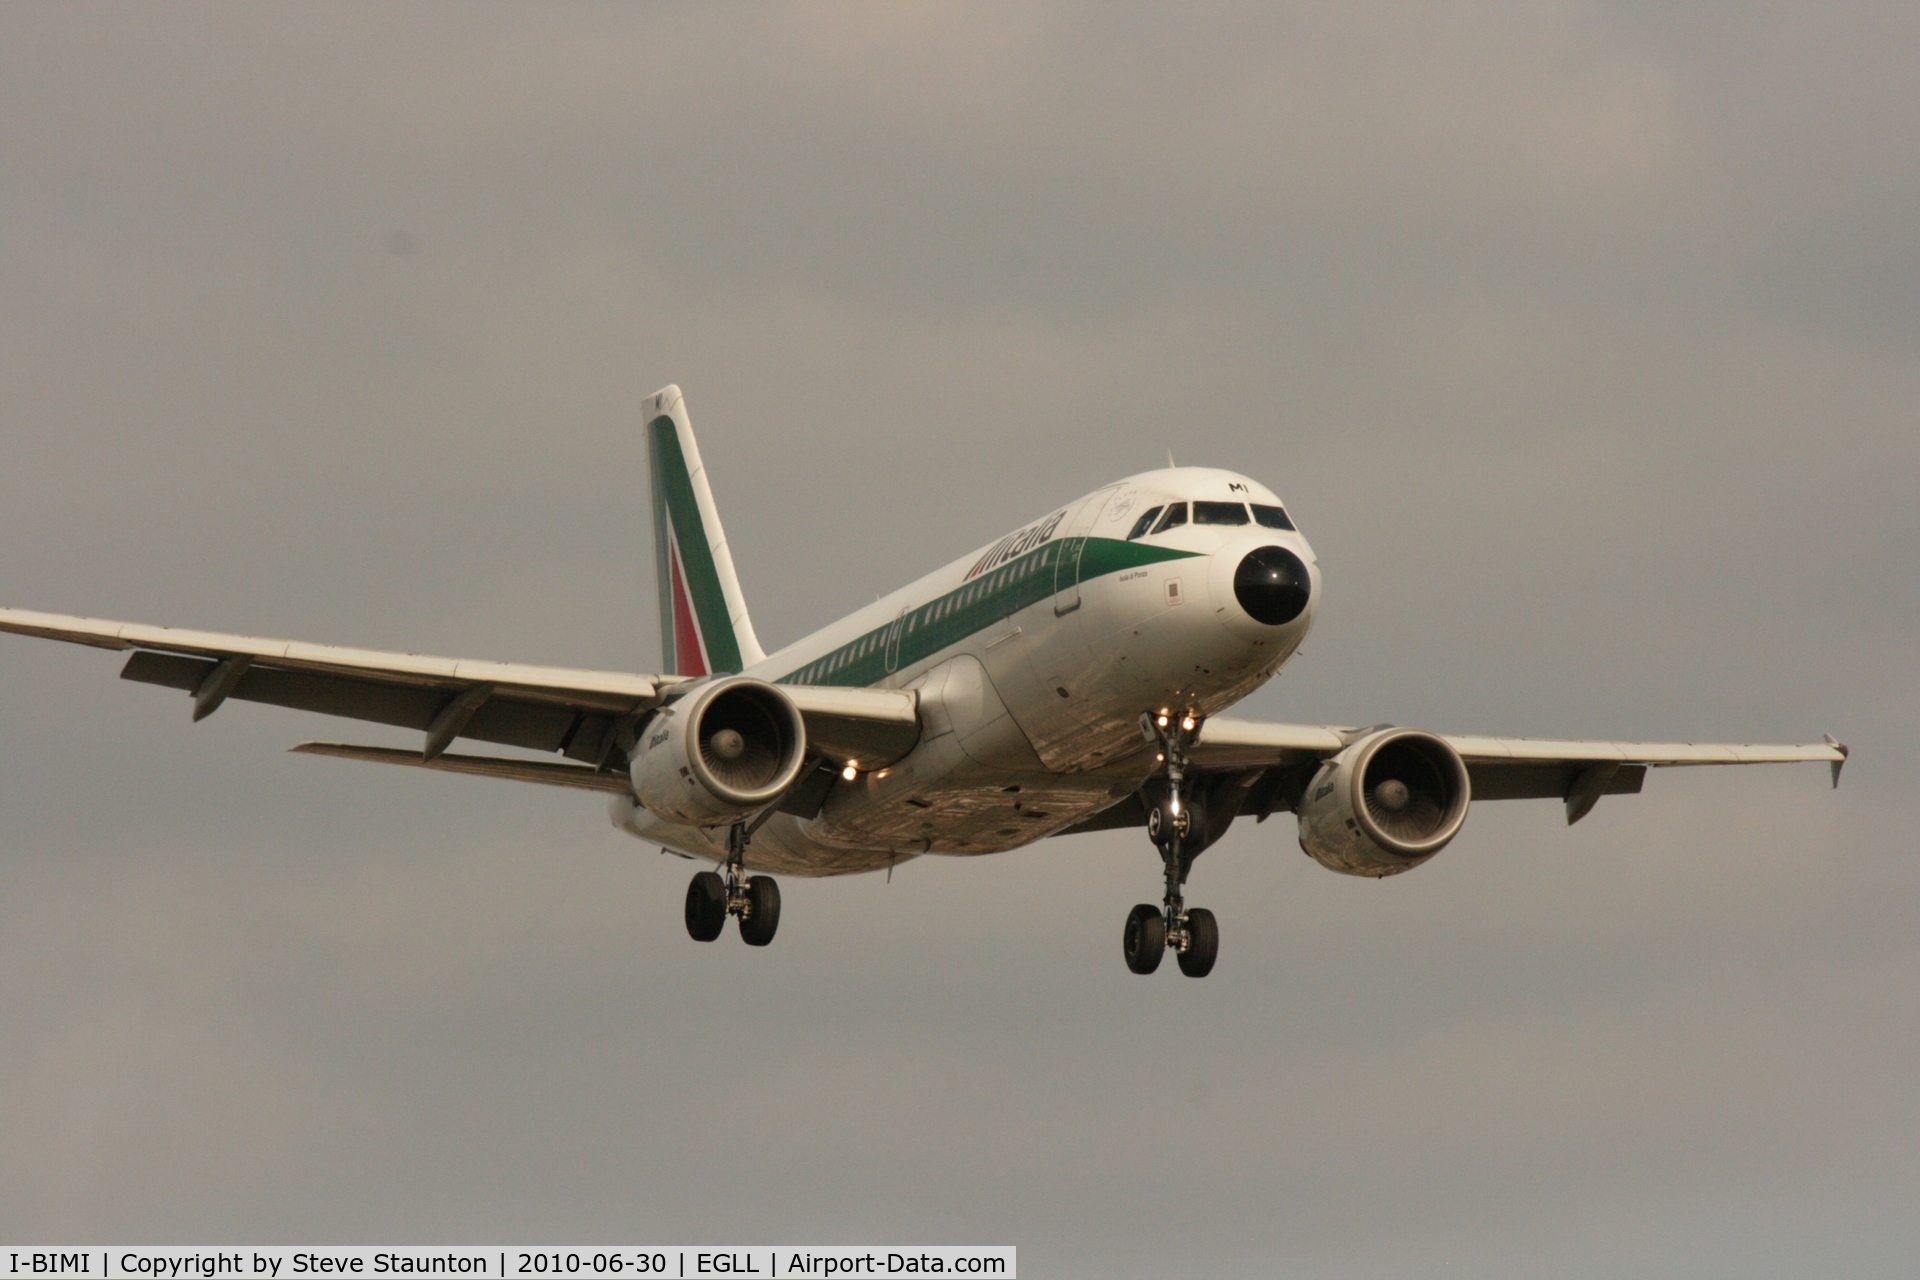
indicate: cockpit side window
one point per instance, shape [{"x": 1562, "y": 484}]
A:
[
  {"x": 1271, "y": 517},
  {"x": 1176, "y": 515},
  {"x": 1219, "y": 513},
  {"x": 1144, "y": 523}
]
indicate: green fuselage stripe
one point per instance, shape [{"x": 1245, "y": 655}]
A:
[
  {"x": 673, "y": 483},
  {"x": 946, "y": 621}
]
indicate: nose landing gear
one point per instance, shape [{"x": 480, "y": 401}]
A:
[
  {"x": 754, "y": 899},
  {"x": 1175, "y": 825}
]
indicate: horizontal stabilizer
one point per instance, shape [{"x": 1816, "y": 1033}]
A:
[{"x": 550, "y": 773}]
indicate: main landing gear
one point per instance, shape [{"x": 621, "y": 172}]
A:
[
  {"x": 1177, "y": 827},
  {"x": 755, "y": 899}
]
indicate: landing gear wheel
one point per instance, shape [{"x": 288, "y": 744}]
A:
[
  {"x": 1163, "y": 824},
  {"x": 1145, "y": 940},
  {"x": 1203, "y": 943},
  {"x": 763, "y": 912},
  {"x": 706, "y": 906},
  {"x": 1177, "y": 825}
]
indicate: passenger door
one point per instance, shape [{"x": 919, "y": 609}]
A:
[
  {"x": 1066, "y": 562},
  {"x": 893, "y": 641}
]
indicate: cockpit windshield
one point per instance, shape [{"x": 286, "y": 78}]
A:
[
  {"x": 1176, "y": 515},
  {"x": 1219, "y": 513},
  {"x": 1271, "y": 517},
  {"x": 1145, "y": 522}
]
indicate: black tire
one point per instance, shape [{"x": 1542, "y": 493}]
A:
[
  {"x": 706, "y": 907},
  {"x": 1203, "y": 943},
  {"x": 1163, "y": 825},
  {"x": 1145, "y": 940},
  {"x": 763, "y": 912}
]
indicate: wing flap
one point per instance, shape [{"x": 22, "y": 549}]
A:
[
  {"x": 509, "y": 719},
  {"x": 1544, "y": 780}
]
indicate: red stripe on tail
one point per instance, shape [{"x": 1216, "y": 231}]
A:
[{"x": 686, "y": 640}]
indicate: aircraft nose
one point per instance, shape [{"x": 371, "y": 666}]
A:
[{"x": 1272, "y": 585}]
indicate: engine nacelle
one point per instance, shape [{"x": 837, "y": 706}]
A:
[
  {"x": 720, "y": 753},
  {"x": 1385, "y": 804}
]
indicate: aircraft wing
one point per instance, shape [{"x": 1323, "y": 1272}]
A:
[
  {"x": 1498, "y": 768},
  {"x": 584, "y": 715}
]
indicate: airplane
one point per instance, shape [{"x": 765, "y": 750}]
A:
[{"x": 1068, "y": 677}]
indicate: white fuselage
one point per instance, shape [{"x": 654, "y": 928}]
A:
[{"x": 1034, "y": 658}]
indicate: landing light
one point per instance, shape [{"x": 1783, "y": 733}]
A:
[
  {"x": 852, "y": 770},
  {"x": 1162, "y": 721},
  {"x": 1186, "y": 725}
]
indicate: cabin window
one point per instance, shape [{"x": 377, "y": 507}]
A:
[
  {"x": 1219, "y": 513},
  {"x": 1176, "y": 516},
  {"x": 1145, "y": 522},
  {"x": 1271, "y": 517}
]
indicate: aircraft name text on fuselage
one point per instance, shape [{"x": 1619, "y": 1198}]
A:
[{"x": 1015, "y": 544}]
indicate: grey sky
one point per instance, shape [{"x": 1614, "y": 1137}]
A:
[{"x": 1584, "y": 342}]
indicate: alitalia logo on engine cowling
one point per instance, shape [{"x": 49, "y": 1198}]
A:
[{"x": 1015, "y": 544}]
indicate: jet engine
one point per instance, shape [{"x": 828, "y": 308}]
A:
[
  {"x": 1385, "y": 804},
  {"x": 721, "y": 752}
]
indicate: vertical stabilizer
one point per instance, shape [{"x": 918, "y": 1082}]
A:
[{"x": 704, "y": 628}]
